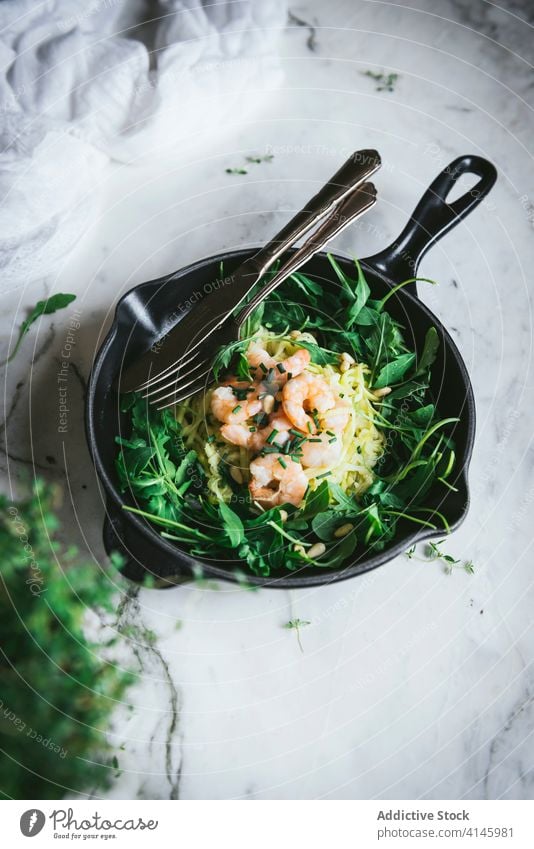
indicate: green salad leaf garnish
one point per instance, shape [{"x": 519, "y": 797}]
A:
[{"x": 46, "y": 307}]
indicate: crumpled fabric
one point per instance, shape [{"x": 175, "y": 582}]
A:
[{"x": 86, "y": 82}]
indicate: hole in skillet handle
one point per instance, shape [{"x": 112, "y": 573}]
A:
[{"x": 432, "y": 218}]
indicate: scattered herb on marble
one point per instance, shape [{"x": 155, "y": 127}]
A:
[
  {"x": 178, "y": 476},
  {"x": 296, "y": 625},
  {"x": 434, "y": 552},
  {"x": 252, "y": 160},
  {"x": 384, "y": 82},
  {"x": 257, "y": 160},
  {"x": 58, "y": 685},
  {"x": 46, "y": 307}
]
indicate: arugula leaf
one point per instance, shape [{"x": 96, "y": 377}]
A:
[
  {"x": 50, "y": 305},
  {"x": 423, "y": 415},
  {"x": 232, "y": 525},
  {"x": 343, "y": 279},
  {"x": 430, "y": 350},
  {"x": 316, "y": 501},
  {"x": 361, "y": 293},
  {"x": 394, "y": 371},
  {"x": 319, "y": 355},
  {"x": 339, "y": 552}
]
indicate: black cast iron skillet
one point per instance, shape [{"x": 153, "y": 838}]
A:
[{"x": 142, "y": 315}]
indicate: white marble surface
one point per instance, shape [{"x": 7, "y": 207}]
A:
[{"x": 412, "y": 683}]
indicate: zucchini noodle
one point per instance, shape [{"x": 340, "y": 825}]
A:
[{"x": 362, "y": 443}]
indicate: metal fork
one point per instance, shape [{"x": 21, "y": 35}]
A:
[
  {"x": 181, "y": 384},
  {"x": 161, "y": 363}
]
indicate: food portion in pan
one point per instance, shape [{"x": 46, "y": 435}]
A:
[{"x": 317, "y": 437}]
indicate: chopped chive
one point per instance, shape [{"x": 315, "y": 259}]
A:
[
  {"x": 289, "y": 375},
  {"x": 236, "y": 409},
  {"x": 309, "y": 426},
  {"x": 272, "y": 436},
  {"x": 295, "y": 432},
  {"x": 324, "y": 475},
  {"x": 341, "y": 395},
  {"x": 264, "y": 368},
  {"x": 252, "y": 429},
  {"x": 315, "y": 440},
  {"x": 241, "y": 394},
  {"x": 280, "y": 367},
  {"x": 329, "y": 433},
  {"x": 334, "y": 439},
  {"x": 295, "y": 458},
  {"x": 283, "y": 463}
]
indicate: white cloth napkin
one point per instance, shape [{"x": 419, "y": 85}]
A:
[{"x": 84, "y": 82}]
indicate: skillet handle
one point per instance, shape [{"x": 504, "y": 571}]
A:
[{"x": 432, "y": 218}]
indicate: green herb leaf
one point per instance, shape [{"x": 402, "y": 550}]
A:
[
  {"x": 394, "y": 371},
  {"x": 316, "y": 501},
  {"x": 324, "y": 524},
  {"x": 319, "y": 355},
  {"x": 257, "y": 160},
  {"x": 361, "y": 293},
  {"x": 50, "y": 305},
  {"x": 429, "y": 353},
  {"x": 232, "y": 525}
]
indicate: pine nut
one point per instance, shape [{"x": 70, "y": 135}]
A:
[
  {"x": 346, "y": 362},
  {"x": 317, "y": 550},
  {"x": 236, "y": 474},
  {"x": 343, "y": 530},
  {"x": 283, "y": 515},
  {"x": 268, "y": 404},
  {"x": 379, "y": 393}
]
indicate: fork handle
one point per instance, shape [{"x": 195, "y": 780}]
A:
[
  {"x": 360, "y": 199},
  {"x": 360, "y": 165}
]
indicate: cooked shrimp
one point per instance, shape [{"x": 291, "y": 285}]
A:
[
  {"x": 226, "y": 407},
  {"x": 303, "y": 393},
  {"x": 294, "y": 365},
  {"x": 241, "y": 435},
  {"x": 276, "y": 480},
  {"x": 238, "y": 434},
  {"x": 258, "y": 356},
  {"x": 325, "y": 452},
  {"x": 337, "y": 418}
]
